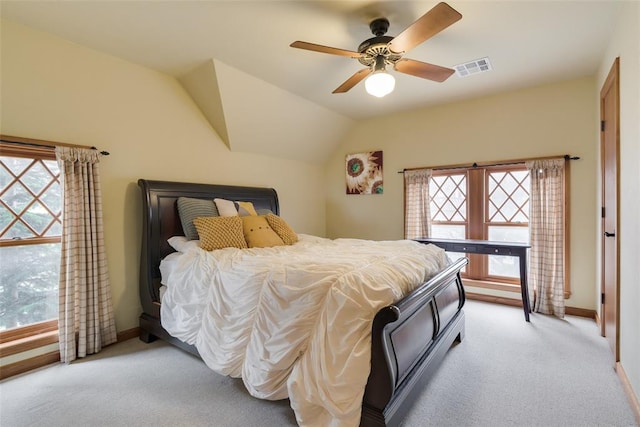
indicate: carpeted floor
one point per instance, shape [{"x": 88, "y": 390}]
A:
[{"x": 506, "y": 372}]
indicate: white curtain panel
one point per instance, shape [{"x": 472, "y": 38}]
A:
[
  {"x": 86, "y": 322},
  {"x": 546, "y": 227},
  {"x": 417, "y": 216}
]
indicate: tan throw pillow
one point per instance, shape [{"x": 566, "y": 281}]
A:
[
  {"x": 279, "y": 225},
  {"x": 258, "y": 233},
  {"x": 219, "y": 232}
]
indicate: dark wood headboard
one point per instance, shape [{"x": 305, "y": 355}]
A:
[{"x": 160, "y": 221}]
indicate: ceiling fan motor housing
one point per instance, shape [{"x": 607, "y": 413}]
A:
[
  {"x": 374, "y": 47},
  {"x": 377, "y": 46},
  {"x": 373, "y": 42}
]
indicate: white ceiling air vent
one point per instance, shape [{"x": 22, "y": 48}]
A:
[{"x": 473, "y": 67}]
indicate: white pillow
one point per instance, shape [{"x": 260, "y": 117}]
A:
[
  {"x": 226, "y": 207},
  {"x": 182, "y": 244}
]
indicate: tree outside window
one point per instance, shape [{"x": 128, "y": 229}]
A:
[{"x": 30, "y": 228}]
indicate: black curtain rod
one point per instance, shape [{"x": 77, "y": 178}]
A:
[
  {"x": 475, "y": 165},
  {"x": 33, "y": 144}
]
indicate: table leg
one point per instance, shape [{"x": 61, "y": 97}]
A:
[{"x": 523, "y": 286}]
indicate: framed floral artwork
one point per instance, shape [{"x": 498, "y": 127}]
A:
[{"x": 364, "y": 173}]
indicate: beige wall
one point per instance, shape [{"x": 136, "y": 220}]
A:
[
  {"x": 55, "y": 90},
  {"x": 59, "y": 91},
  {"x": 555, "y": 119},
  {"x": 625, "y": 44}
]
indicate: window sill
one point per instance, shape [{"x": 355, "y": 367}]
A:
[
  {"x": 507, "y": 287},
  {"x": 28, "y": 343},
  {"x": 498, "y": 286}
]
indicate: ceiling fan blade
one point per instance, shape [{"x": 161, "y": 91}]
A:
[
  {"x": 353, "y": 80},
  {"x": 325, "y": 49},
  {"x": 430, "y": 24},
  {"x": 423, "y": 69}
]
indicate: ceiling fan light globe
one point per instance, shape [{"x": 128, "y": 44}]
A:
[{"x": 380, "y": 84}]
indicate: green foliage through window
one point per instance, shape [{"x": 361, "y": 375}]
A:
[
  {"x": 30, "y": 228},
  {"x": 28, "y": 284}
]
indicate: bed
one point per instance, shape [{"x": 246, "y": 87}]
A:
[{"x": 409, "y": 337}]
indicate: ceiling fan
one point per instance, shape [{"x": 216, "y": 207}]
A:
[{"x": 379, "y": 51}]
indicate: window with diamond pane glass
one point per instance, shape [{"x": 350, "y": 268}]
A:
[
  {"x": 507, "y": 217},
  {"x": 498, "y": 210},
  {"x": 508, "y": 196},
  {"x": 449, "y": 208},
  {"x": 448, "y": 198},
  {"x": 486, "y": 202},
  {"x": 30, "y": 228}
]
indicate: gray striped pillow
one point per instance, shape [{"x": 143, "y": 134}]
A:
[{"x": 189, "y": 209}]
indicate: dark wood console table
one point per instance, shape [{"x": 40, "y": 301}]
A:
[{"x": 491, "y": 248}]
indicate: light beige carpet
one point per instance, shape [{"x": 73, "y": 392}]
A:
[{"x": 506, "y": 372}]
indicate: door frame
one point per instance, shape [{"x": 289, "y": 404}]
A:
[{"x": 612, "y": 82}]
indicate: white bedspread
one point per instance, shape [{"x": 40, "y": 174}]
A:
[{"x": 293, "y": 321}]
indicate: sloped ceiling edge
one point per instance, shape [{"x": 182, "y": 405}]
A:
[
  {"x": 254, "y": 116},
  {"x": 202, "y": 85}
]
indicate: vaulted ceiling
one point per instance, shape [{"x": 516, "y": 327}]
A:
[{"x": 237, "y": 53}]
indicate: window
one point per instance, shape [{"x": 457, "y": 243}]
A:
[
  {"x": 486, "y": 203},
  {"x": 30, "y": 228},
  {"x": 494, "y": 202}
]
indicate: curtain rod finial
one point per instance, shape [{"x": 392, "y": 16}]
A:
[{"x": 104, "y": 153}]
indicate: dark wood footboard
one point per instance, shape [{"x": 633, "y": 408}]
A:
[{"x": 409, "y": 340}]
